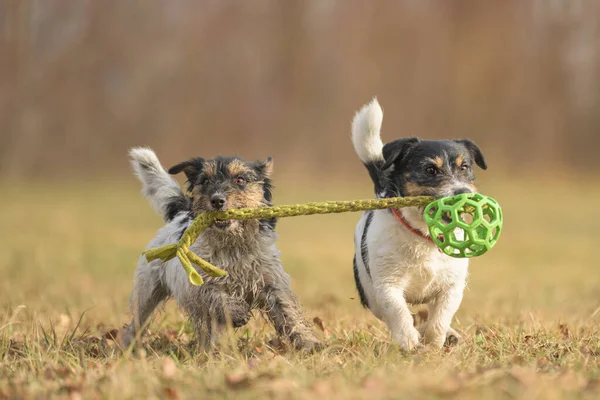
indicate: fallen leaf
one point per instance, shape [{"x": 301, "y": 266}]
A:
[
  {"x": 71, "y": 389},
  {"x": 237, "y": 380},
  {"x": 587, "y": 351},
  {"x": 449, "y": 386},
  {"x": 572, "y": 381},
  {"x": 322, "y": 388},
  {"x": 51, "y": 373},
  {"x": 281, "y": 386},
  {"x": 518, "y": 359},
  {"x": 170, "y": 393},
  {"x": 276, "y": 344},
  {"x": 373, "y": 384},
  {"x": 75, "y": 395},
  {"x": 169, "y": 335},
  {"x": 112, "y": 334},
  {"x": 319, "y": 322},
  {"x": 564, "y": 331},
  {"x": 543, "y": 363},
  {"x": 63, "y": 321},
  {"x": 169, "y": 368},
  {"x": 526, "y": 377},
  {"x": 593, "y": 385},
  {"x": 253, "y": 362}
]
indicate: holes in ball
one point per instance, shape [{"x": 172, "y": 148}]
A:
[
  {"x": 460, "y": 235},
  {"x": 467, "y": 218},
  {"x": 446, "y": 218},
  {"x": 494, "y": 234}
]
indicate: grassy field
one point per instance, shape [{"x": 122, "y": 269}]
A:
[{"x": 530, "y": 317}]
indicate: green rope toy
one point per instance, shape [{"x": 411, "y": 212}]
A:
[{"x": 443, "y": 217}]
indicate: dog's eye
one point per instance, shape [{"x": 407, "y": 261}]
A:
[
  {"x": 465, "y": 167},
  {"x": 431, "y": 171},
  {"x": 202, "y": 181},
  {"x": 240, "y": 181}
]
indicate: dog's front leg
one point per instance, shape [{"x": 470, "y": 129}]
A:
[
  {"x": 211, "y": 309},
  {"x": 441, "y": 312},
  {"x": 397, "y": 316},
  {"x": 283, "y": 309}
]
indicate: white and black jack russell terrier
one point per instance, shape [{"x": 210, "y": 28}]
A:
[{"x": 395, "y": 262}]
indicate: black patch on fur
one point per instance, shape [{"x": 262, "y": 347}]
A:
[
  {"x": 185, "y": 223},
  {"x": 176, "y": 205},
  {"x": 395, "y": 152},
  {"x": 359, "y": 288},
  {"x": 267, "y": 224},
  {"x": 364, "y": 251},
  {"x": 191, "y": 168},
  {"x": 374, "y": 169},
  {"x": 259, "y": 167},
  {"x": 475, "y": 152}
]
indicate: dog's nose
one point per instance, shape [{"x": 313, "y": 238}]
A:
[
  {"x": 462, "y": 190},
  {"x": 217, "y": 201}
]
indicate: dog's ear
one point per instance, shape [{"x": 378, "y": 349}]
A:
[
  {"x": 264, "y": 169},
  {"x": 191, "y": 168},
  {"x": 475, "y": 152},
  {"x": 397, "y": 150}
]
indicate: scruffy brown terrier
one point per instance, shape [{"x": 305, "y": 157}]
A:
[{"x": 245, "y": 249}]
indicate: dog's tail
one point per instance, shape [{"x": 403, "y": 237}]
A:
[
  {"x": 159, "y": 187},
  {"x": 366, "y": 138}
]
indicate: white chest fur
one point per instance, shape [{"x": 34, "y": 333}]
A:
[{"x": 400, "y": 259}]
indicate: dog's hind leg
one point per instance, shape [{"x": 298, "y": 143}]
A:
[
  {"x": 283, "y": 309},
  {"x": 148, "y": 293},
  {"x": 211, "y": 310}
]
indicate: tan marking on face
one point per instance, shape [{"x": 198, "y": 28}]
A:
[
  {"x": 209, "y": 168},
  {"x": 407, "y": 175},
  {"x": 473, "y": 188},
  {"x": 252, "y": 196},
  {"x": 459, "y": 160},
  {"x": 237, "y": 167},
  {"x": 413, "y": 189},
  {"x": 437, "y": 161}
]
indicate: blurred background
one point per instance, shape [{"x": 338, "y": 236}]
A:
[{"x": 81, "y": 81}]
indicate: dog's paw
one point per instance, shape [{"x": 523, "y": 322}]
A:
[
  {"x": 239, "y": 312},
  {"x": 308, "y": 346},
  {"x": 453, "y": 338},
  {"x": 125, "y": 337},
  {"x": 407, "y": 339}
]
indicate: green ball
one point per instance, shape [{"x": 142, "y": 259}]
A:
[{"x": 466, "y": 225}]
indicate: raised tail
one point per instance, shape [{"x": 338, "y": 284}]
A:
[
  {"x": 164, "y": 193},
  {"x": 366, "y": 138}
]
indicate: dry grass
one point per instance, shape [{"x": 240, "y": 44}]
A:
[{"x": 530, "y": 316}]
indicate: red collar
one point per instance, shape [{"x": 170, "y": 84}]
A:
[{"x": 398, "y": 214}]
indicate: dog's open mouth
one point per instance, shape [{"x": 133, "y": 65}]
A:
[{"x": 222, "y": 223}]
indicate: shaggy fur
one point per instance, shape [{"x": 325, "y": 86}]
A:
[
  {"x": 245, "y": 249},
  {"x": 394, "y": 267}
]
